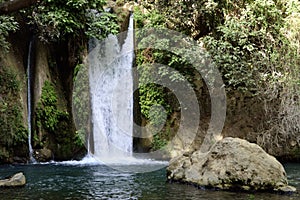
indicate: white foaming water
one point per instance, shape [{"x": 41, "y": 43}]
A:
[
  {"x": 90, "y": 160},
  {"x": 111, "y": 89}
]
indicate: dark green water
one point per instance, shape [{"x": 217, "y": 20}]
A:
[{"x": 64, "y": 181}]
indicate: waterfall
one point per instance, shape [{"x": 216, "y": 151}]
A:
[
  {"x": 111, "y": 90},
  {"x": 29, "y": 57}
]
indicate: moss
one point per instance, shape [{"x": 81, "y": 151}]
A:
[
  {"x": 54, "y": 124},
  {"x": 12, "y": 130},
  {"x": 81, "y": 103},
  {"x": 47, "y": 113}
]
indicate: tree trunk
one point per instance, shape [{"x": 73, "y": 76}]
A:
[{"x": 10, "y": 6}]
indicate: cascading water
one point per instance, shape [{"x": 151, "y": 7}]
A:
[
  {"x": 29, "y": 57},
  {"x": 111, "y": 89}
]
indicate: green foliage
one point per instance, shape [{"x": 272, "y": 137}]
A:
[
  {"x": 251, "y": 196},
  {"x": 254, "y": 43},
  {"x": 48, "y": 115},
  {"x": 151, "y": 19},
  {"x": 257, "y": 52},
  {"x": 162, "y": 137},
  {"x": 12, "y": 130},
  {"x": 101, "y": 25},
  {"x": 80, "y": 137},
  {"x": 282, "y": 84},
  {"x": 242, "y": 36},
  {"x": 7, "y": 24},
  {"x": 13, "y": 134},
  {"x": 21, "y": 134},
  {"x": 152, "y": 94},
  {"x": 57, "y": 19},
  {"x": 158, "y": 142},
  {"x": 155, "y": 65},
  {"x": 291, "y": 31},
  {"x": 81, "y": 103},
  {"x": 243, "y": 45},
  {"x": 55, "y": 124},
  {"x": 195, "y": 18}
]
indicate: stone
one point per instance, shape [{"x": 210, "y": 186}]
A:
[
  {"x": 16, "y": 180},
  {"x": 231, "y": 164},
  {"x": 286, "y": 189},
  {"x": 42, "y": 155}
]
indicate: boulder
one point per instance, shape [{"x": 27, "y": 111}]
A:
[
  {"x": 16, "y": 180},
  {"x": 230, "y": 164},
  {"x": 42, "y": 155}
]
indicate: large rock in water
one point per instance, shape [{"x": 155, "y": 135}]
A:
[
  {"x": 42, "y": 155},
  {"x": 16, "y": 180},
  {"x": 231, "y": 164}
]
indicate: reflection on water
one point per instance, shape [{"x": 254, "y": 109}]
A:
[{"x": 62, "y": 181}]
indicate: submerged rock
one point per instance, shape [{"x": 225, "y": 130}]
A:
[
  {"x": 16, "y": 180},
  {"x": 231, "y": 164}
]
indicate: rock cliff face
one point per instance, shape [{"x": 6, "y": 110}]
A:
[
  {"x": 54, "y": 128},
  {"x": 50, "y": 64},
  {"x": 13, "y": 95},
  {"x": 231, "y": 164}
]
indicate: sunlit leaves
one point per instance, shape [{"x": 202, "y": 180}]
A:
[
  {"x": 100, "y": 25},
  {"x": 244, "y": 44},
  {"x": 57, "y": 19},
  {"x": 7, "y": 25}
]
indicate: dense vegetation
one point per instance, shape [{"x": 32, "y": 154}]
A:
[
  {"x": 254, "y": 43},
  {"x": 13, "y": 132},
  {"x": 64, "y": 27},
  {"x": 55, "y": 20},
  {"x": 48, "y": 115},
  {"x": 7, "y": 24}
]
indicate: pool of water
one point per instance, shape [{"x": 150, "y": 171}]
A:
[{"x": 85, "y": 181}]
